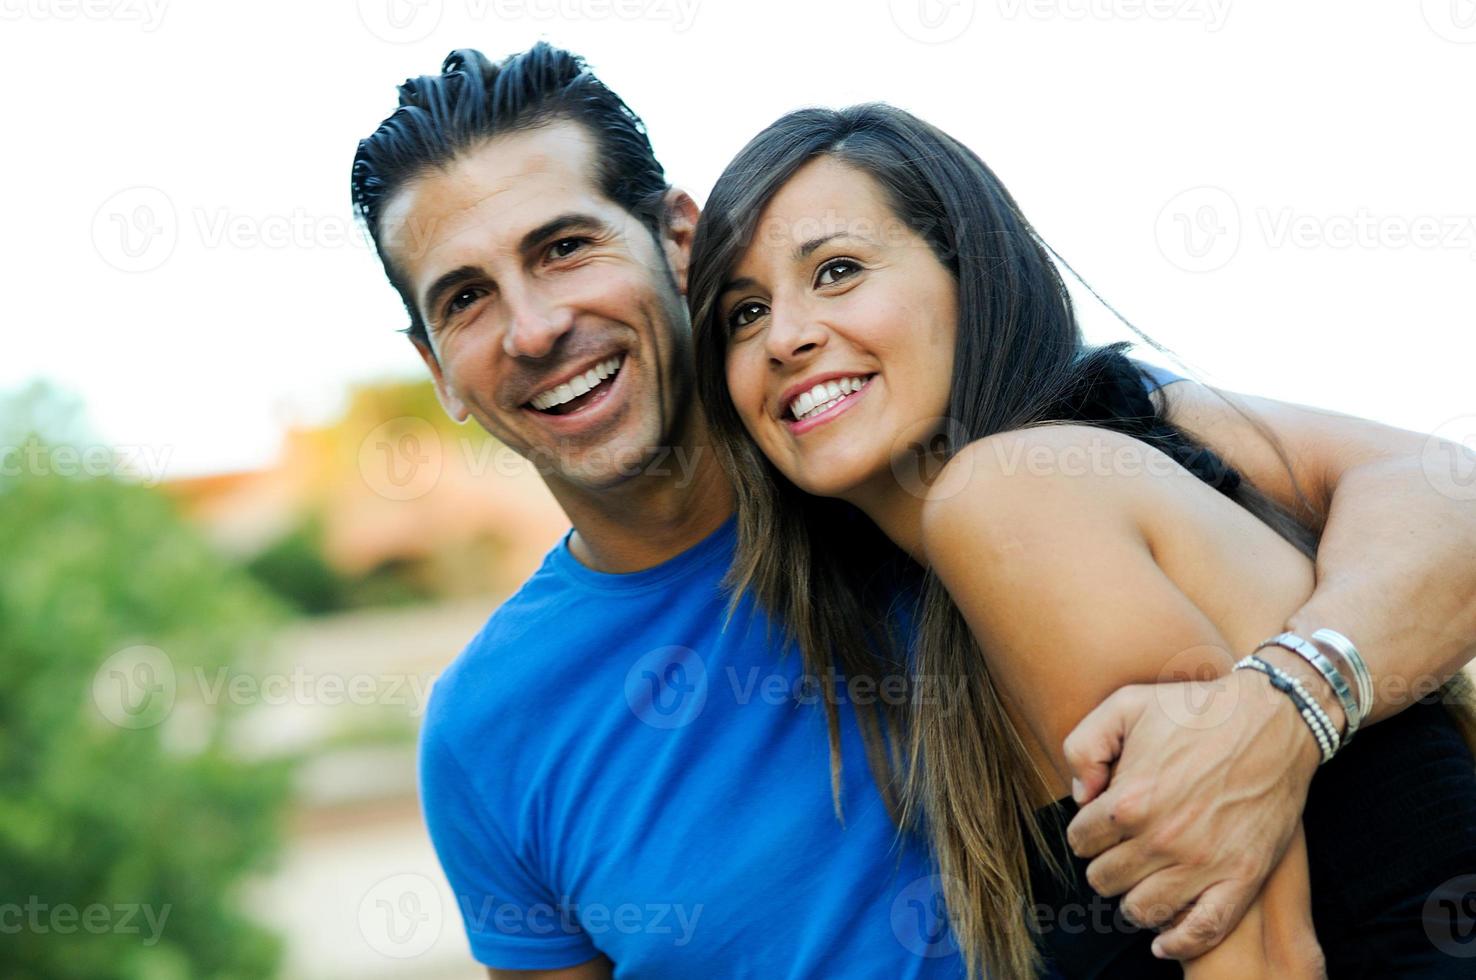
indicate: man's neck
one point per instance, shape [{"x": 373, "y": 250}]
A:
[{"x": 669, "y": 508}]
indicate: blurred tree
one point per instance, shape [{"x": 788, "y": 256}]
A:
[{"x": 127, "y": 816}]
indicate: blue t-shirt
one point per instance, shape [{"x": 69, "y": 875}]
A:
[{"x": 608, "y": 768}]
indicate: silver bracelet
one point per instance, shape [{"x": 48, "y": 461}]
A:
[
  {"x": 1312, "y": 713},
  {"x": 1342, "y": 646},
  {"x": 1329, "y": 671}
]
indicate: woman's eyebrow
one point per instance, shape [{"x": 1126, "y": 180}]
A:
[{"x": 805, "y": 249}]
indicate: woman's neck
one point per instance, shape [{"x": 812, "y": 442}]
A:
[{"x": 897, "y": 510}]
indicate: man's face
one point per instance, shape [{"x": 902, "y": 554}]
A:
[{"x": 555, "y": 318}]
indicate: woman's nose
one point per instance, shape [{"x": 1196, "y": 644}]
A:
[{"x": 793, "y": 335}]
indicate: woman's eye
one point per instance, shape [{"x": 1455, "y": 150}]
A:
[
  {"x": 744, "y": 314},
  {"x": 463, "y": 299},
  {"x": 835, "y": 270},
  {"x": 565, "y": 247}
]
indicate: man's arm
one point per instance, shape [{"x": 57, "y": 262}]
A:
[{"x": 1394, "y": 573}]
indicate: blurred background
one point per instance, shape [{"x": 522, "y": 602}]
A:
[{"x": 238, "y": 537}]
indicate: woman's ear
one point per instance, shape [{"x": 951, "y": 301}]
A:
[{"x": 678, "y": 225}]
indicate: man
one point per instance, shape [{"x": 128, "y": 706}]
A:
[{"x": 615, "y": 772}]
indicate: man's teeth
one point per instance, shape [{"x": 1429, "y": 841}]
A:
[
  {"x": 580, "y": 384},
  {"x": 825, "y": 396}
]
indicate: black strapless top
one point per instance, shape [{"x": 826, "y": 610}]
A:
[{"x": 1388, "y": 822}]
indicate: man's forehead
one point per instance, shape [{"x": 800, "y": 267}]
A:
[{"x": 493, "y": 194}]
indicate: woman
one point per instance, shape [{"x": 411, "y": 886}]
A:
[{"x": 879, "y": 330}]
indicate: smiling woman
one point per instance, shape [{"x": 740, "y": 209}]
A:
[{"x": 879, "y": 329}]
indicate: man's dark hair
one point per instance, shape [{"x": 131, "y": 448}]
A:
[{"x": 472, "y": 100}]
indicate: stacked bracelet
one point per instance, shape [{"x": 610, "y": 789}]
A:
[
  {"x": 1315, "y": 655},
  {"x": 1337, "y": 645},
  {"x": 1328, "y": 740}
]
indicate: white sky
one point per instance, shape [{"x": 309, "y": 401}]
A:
[{"x": 1337, "y": 138}]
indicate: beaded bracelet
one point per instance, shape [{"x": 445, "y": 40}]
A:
[
  {"x": 1314, "y": 655},
  {"x": 1328, "y": 741}
]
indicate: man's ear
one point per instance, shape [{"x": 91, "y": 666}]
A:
[
  {"x": 678, "y": 224},
  {"x": 453, "y": 405}
]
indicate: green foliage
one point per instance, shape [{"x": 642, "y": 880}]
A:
[{"x": 157, "y": 815}]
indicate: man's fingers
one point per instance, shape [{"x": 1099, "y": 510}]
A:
[
  {"x": 1162, "y": 898},
  {"x": 1096, "y": 742},
  {"x": 1126, "y": 868},
  {"x": 1215, "y": 914},
  {"x": 1111, "y": 818}
]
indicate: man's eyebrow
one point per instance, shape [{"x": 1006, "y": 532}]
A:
[
  {"x": 447, "y": 282},
  {"x": 553, "y": 226}
]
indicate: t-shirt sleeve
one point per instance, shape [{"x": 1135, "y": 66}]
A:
[{"x": 513, "y": 920}]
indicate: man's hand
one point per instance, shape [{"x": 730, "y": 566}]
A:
[{"x": 1199, "y": 810}]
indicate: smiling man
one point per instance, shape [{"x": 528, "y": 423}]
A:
[{"x": 621, "y": 779}]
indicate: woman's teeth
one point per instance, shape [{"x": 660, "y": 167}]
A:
[
  {"x": 825, "y": 396},
  {"x": 580, "y": 384}
]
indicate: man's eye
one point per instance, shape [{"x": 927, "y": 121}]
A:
[
  {"x": 835, "y": 270},
  {"x": 463, "y": 299},
  {"x": 745, "y": 314},
  {"x": 565, "y": 247}
]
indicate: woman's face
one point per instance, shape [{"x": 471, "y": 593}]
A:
[{"x": 841, "y": 326}]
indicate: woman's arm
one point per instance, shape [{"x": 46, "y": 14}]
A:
[{"x": 1052, "y": 566}]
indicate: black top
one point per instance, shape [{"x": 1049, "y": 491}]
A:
[{"x": 1389, "y": 821}]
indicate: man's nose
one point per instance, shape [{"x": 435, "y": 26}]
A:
[{"x": 535, "y": 326}]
